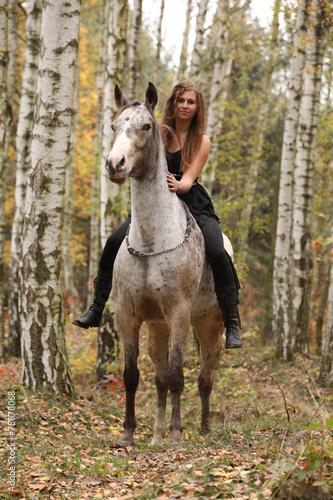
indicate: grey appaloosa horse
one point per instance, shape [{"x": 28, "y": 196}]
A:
[{"x": 161, "y": 275}]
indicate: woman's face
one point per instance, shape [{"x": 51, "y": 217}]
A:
[{"x": 186, "y": 105}]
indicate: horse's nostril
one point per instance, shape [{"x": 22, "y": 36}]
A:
[{"x": 120, "y": 164}]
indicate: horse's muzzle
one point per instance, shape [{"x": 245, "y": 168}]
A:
[{"x": 115, "y": 167}]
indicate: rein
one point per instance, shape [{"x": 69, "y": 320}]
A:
[{"x": 142, "y": 255}]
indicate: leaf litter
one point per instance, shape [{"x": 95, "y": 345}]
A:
[{"x": 271, "y": 435}]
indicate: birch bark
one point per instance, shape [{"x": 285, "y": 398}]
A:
[
  {"x": 7, "y": 65},
  {"x": 281, "y": 324},
  {"x": 326, "y": 369},
  {"x": 116, "y": 53},
  {"x": 68, "y": 268},
  {"x": 45, "y": 363},
  {"x": 303, "y": 180},
  {"x": 220, "y": 83},
  {"x": 4, "y": 57},
  {"x": 12, "y": 43},
  {"x": 23, "y": 143},
  {"x": 159, "y": 45},
  {"x": 198, "y": 41},
  {"x": 133, "y": 49},
  {"x": 261, "y": 129},
  {"x": 111, "y": 193},
  {"x": 182, "y": 68},
  {"x": 94, "y": 237}
]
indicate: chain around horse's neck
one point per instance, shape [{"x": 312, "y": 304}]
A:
[{"x": 142, "y": 255}]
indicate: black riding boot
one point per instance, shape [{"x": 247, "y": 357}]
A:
[
  {"x": 227, "y": 297},
  {"x": 102, "y": 289}
]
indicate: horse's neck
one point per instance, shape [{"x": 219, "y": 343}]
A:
[{"x": 157, "y": 217}]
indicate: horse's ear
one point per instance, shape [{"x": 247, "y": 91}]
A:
[
  {"x": 120, "y": 98},
  {"x": 151, "y": 96}
]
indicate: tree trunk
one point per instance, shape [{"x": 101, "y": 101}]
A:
[
  {"x": 108, "y": 343},
  {"x": 219, "y": 86},
  {"x": 199, "y": 35},
  {"x": 324, "y": 269},
  {"x": 255, "y": 162},
  {"x": 182, "y": 69},
  {"x": 71, "y": 290},
  {"x": 303, "y": 180},
  {"x": 4, "y": 58},
  {"x": 281, "y": 324},
  {"x": 159, "y": 45},
  {"x": 110, "y": 192},
  {"x": 23, "y": 143},
  {"x": 94, "y": 237},
  {"x": 116, "y": 52},
  {"x": 12, "y": 43},
  {"x": 44, "y": 356},
  {"x": 326, "y": 369},
  {"x": 133, "y": 49}
]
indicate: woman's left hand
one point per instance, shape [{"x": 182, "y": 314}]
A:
[{"x": 172, "y": 182}]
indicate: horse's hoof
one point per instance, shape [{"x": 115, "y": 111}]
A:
[
  {"x": 121, "y": 442},
  {"x": 156, "y": 443},
  {"x": 175, "y": 439},
  {"x": 175, "y": 444}
]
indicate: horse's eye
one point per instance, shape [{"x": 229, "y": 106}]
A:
[
  {"x": 112, "y": 127},
  {"x": 146, "y": 127}
]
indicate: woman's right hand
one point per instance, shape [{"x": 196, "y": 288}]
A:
[{"x": 172, "y": 182}]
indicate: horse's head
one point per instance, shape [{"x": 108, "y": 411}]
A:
[{"x": 136, "y": 146}]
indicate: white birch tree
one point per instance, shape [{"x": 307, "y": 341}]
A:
[
  {"x": 12, "y": 43},
  {"x": 116, "y": 53},
  {"x": 133, "y": 49},
  {"x": 7, "y": 65},
  {"x": 111, "y": 193},
  {"x": 4, "y": 57},
  {"x": 326, "y": 369},
  {"x": 44, "y": 356},
  {"x": 159, "y": 44},
  {"x": 182, "y": 68},
  {"x": 198, "y": 41},
  {"x": 303, "y": 180},
  {"x": 281, "y": 324},
  {"x": 23, "y": 143},
  {"x": 220, "y": 82},
  {"x": 68, "y": 267},
  {"x": 255, "y": 161},
  {"x": 94, "y": 235}
]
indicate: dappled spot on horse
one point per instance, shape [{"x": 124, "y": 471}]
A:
[{"x": 161, "y": 275}]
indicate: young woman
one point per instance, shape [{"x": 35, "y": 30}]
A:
[{"x": 187, "y": 150}]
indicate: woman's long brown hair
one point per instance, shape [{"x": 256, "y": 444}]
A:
[{"x": 197, "y": 126}]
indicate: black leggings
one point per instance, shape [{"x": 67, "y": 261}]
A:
[{"x": 217, "y": 256}]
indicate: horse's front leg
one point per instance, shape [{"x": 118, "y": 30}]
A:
[
  {"x": 179, "y": 328},
  {"x": 130, "y": 338},
  {"x": 158, "y": 347}
]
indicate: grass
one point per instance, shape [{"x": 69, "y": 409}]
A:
[{"x": 272, "y": 432}]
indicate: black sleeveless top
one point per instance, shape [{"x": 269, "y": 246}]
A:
[{"x": 197, "y": 199}]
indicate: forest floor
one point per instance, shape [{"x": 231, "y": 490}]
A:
[{"x": 272, "y": 432}]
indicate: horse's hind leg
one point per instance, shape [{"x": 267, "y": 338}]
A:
[
  {"x": 209, "y": 336},
  {"x": 158, "y": 340},
  {"x": 130, "y": 337}
]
